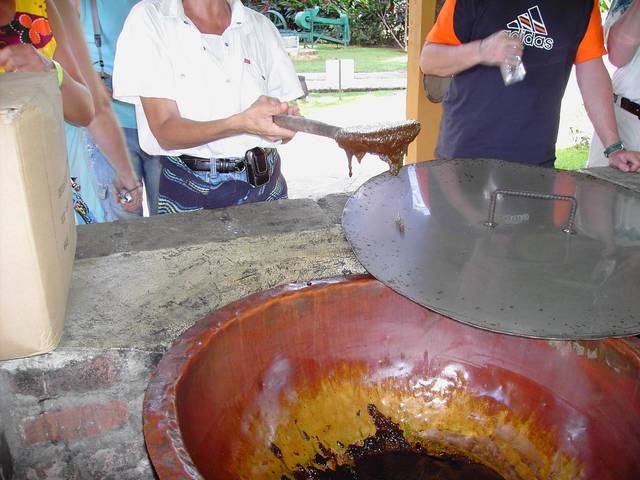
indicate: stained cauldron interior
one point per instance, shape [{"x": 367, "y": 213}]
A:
[{"x": 296, "y": 368}]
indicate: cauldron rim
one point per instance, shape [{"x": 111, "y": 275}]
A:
[{"x": 167, "y": 451}]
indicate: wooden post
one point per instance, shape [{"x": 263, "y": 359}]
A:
[{"x": 421, "y": 19}]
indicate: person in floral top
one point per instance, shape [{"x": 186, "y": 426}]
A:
[{"x": 32, "y": 39}]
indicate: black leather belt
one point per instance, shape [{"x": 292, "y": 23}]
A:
[
  {"x": 255, "y": 162},
  {"x": 223, "y": 165},
  {"x": 628, "y": 105}
]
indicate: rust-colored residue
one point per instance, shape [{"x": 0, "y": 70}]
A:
[
  {"x": 389, "y": 141},
  {"x": 321, "y": 427}
]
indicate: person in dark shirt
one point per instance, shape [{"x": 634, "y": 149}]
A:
[{"x": 484, "y": 118}]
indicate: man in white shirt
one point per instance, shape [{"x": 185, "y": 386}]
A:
[
  {"x": 622, "y": 28},
  {"x": 206, "y": 77}
]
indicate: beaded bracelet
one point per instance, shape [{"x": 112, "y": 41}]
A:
[{"x": 613, "y": 148}]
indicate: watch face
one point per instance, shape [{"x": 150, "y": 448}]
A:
[{"x": 126, "y": 197}]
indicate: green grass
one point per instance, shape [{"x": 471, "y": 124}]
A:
[
  {"x": 317, "y": 101},
  {"x": 365, "y": 59},
  {"x": 572, "y": 158}
]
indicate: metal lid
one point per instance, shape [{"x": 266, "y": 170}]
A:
[{"x": 505, "y": 247}]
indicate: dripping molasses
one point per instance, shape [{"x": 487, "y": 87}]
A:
[{"x": 389, "y": 141}]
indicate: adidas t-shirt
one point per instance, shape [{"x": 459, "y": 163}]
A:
[{"x": 482, "y": 117}]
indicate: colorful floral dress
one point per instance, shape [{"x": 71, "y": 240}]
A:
[{"x": 30, "y": 25}]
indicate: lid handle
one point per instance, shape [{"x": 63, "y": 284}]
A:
[{"x": 569, "y": 228}]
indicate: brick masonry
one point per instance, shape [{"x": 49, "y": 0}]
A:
[
  {"x": 72, "y": 424},
  {"x": 76, "y": 376},
  {"x": 6, "y": 462},
  {"x": 74, "y": 415}
]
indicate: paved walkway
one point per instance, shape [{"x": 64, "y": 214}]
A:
[{"x": 361, "y": 81}]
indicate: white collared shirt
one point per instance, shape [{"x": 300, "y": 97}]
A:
[
  {"x": 161, "y": 54},
  {"x": 626, "y": 79}
]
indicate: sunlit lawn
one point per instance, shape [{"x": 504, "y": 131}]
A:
[
  {"x": 366, "y": 59},
  {"x": 572, "y": 158},
  {"x": 317, "y": 101}
]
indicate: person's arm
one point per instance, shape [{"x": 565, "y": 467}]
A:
[
  {"x": 76, "y": 102},
  {"x": 595, "y": 88},
  {"x": 623, "y": 40},
  {"x": 446, "y": 60},
  {"x": 104, "y": 128},
  {"x": 76, "y": 94},
  {"x": 451, "y": 48},
  {"x": 173, "y": 132}
]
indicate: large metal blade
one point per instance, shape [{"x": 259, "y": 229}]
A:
[{"x": 302, "y": 124}]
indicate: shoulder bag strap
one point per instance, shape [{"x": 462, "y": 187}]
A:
[{"x": 97, "y": 35}]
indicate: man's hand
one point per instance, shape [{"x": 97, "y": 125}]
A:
[
  {"x": 24, "y": 58},
  {"x": 293, "y": 110},
  {"x": 625, "y": 160},
  {"x": 258, "y": 118},
  {"x": 499, "y": 48},
  {"x": 131, "y": 186}
]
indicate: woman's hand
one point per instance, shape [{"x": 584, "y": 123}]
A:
[{"x": 24, "y": 58}]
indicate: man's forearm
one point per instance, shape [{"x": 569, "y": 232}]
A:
[
  {"x": 624, "y": 36},
  {"x": 446, "y": 60},
  {"x": 595, "y": 87},
  {"x": 177, "y": 133}
]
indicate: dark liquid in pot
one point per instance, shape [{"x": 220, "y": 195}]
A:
[
  {"x": 387, "y": 455},
  {"x": 390, "y": 142},
  {"x": 405, "y": 466}
]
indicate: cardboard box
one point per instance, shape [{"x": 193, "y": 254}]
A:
[{"x": 37, "y": 224}]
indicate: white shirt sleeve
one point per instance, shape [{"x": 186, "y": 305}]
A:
[
  {"x": 282, "y": 80},
  {"x": 142, "y": 66}
]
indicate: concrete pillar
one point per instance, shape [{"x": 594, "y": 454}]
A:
[{"x": 422, "y": 14}]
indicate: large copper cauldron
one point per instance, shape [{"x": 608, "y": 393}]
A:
[{"x": 266, "y": 383}]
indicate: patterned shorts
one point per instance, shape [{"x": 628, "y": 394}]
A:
[{"x": 184, "y": 190}]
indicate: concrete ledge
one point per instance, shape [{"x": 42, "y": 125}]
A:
[
  {"x": 196, "y": 228},
  {"x": 137, "y": 285}
]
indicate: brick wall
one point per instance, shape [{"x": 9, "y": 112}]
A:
[{"x": 74, "y": 415}]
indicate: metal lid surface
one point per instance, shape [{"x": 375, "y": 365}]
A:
[{"x": 559, "y": 258}]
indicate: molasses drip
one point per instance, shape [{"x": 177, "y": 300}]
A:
[
  {"x": 387, "y": 455},
  {"x": 389, "y": 141}
]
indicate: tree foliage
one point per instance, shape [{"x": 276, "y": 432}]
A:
[{"x": 372, "y": 22}]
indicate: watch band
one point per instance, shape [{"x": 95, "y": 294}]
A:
[{"x": 613, "y": 148}]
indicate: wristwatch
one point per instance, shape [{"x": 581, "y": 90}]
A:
[
  {"x": 613, "y": 148},
  {"x": 126, "y": 195}
]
